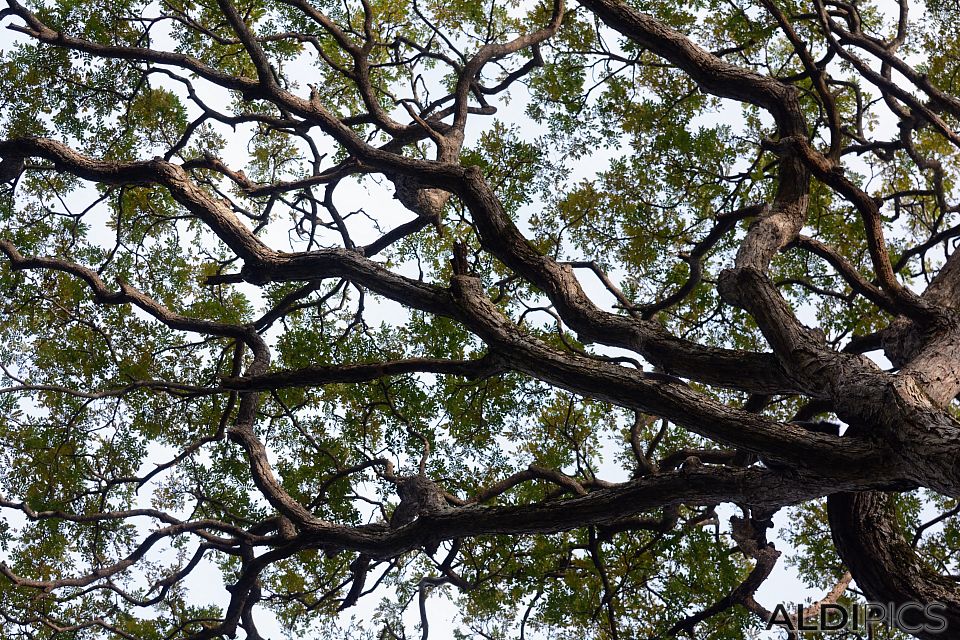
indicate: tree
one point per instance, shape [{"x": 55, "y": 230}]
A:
[{"x": 614, "y": 322}]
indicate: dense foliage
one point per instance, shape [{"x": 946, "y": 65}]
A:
[{"x": 526, "y": 317}]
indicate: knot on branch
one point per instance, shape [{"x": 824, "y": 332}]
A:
[
  {"x": 252, "y": 273},
  {"x": 903, "y": 340},
  {"x": 419, "y": 496},
  {"x": 286, "y": 528},
  {"x": 424, "y": 201},
  {"x": 787, "y": 145},
  {"x": 750, "y": 536},
  {"x": 730, "y": 286}
]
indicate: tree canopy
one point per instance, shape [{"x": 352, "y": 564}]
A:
[{"x": 313, "y": 307}]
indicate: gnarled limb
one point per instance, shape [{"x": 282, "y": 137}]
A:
[{"x": 884, "y": 564}]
